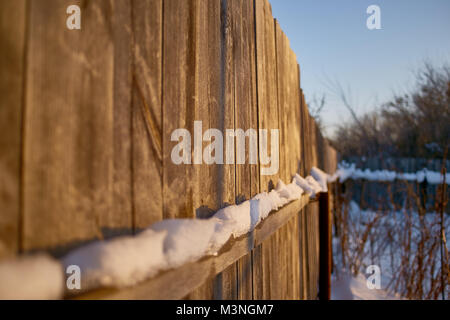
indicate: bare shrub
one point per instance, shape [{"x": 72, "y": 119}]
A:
[{"x": 406, "y": 241}]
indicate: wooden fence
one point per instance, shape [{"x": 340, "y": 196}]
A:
[
  {"x": 86, "y": 119},
  {"x": 408, "y": 165},
  {"x": 373, "y": 194}
]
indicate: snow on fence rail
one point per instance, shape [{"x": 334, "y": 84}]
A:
[
  {"x": 169, "y": 244},
  {"x": 85, "y": 134}
]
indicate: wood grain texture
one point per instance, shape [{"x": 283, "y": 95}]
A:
[
  {"x": 313, "y": 142},
  {"x": 179, "y": 102},
  {"x": 121, "y": 220},
  {"x": 266, "y": 64},
  {"x": 304, "y": 135},
  {"x": 312, "y": 215},
  {"x": 287, "y": 241},
  {"x": 68, "y": 128},
  {"x": 304, "y": 268},
  {"x": 86, "y": 140},
  {"x": 294, "y": 118},
  {"x": 13, "y": 26},
  {"x": 147, "y": 112},
  {"x": 320, "y": 147},
  {"x": 307, "y": 145},
  {"x": 303, "y": 256},
  {"x": 312, "y": 229},
  {"x": 214, "y": 185},
  {"x": 267, "y": 79},
  {"x": 223, "y": 118},
  {"x": 241, "y": 15}
]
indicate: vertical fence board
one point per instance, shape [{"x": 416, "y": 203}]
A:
[
  {"x": 306, "y": 166},
  {"x": 247, "y": 177},
  {"x": 122, "y": 208},
  {"x": 147, "y": 112},
  {"x": 304, "y": 256},
  {"x": 224, "y": 117},
  {"x": 314, "y": 216},
  {"x": 284, "y": 106},
  {"x": 12, "y": 68},
  {"x": 68, "y": 127},
  {"x": 268, "y": 119},
  {"x": 267, "y": 78},
  {"x": 279, "y": 267},
  {"x": 215, "y": 93},
  {"x": 313, "y": 142},
  {"x": 303, "y": 222},
  {"x": 179, "y": 103},
  {"x": 289, "y": 118},
  {"x": 294, "y": 118}
]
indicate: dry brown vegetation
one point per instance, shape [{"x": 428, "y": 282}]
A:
[
  {"x": 405, "y": 242},
  {"x": 413, "y": 124}
]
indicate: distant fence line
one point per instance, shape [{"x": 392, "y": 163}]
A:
[
  {"x": 380, "y": 184},
  {"x": 407, "y": 165}
]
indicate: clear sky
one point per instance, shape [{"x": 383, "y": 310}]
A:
[{"x": 332, "y": 43}]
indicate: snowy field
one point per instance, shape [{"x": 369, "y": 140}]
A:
[
  {"x": 404, "y": 244},
  {"x": 348, "y": 287}
]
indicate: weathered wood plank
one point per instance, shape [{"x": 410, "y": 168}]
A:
[
  {"x": 68, "y": 128},
  {"x": 294, "y": 165},
  {"x": 245, "y": 277},
  {"x": 241, "y": 15},
  {"x": 179, "y": 102},
  {"x": 267, "y": 79},
  {"x": 294, "y": 118},
  {"x": 290, "y": 256},
  {"x": 314, "y": 216},
  {"x": 283, "y": 87},
  {"x": 170, "y": 285},
  {"x": 304, "y": 135},
  {"x": 313, "y": 142},
  {"x": 320, "y": 147},
  {"x": 214, "y": 184},
  {"x": 121, "y": 219},
  {"x": 303, "y": 256},
  {"x": 313, "y": 248},
  {"x": 268, "y": 119},
  {"x": 12, "y": 71},
  {"x": 303, "y": 223},
  {"x": 258, "y": 273},
  {"x": 293, "y": 258},
  {"x": 147, "y": 112},
  {"x": 289, "y": 118},
  {"x": 225, "y": 284}
]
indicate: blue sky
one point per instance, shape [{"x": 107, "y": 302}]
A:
[{"x": 332, "y": 43}]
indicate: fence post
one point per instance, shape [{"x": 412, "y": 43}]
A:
[{"x": 324, "y": 247}]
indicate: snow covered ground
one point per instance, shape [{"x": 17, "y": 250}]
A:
[
  {"x": 355, "y": 288},
  {"x": 404, "y": 245}
]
